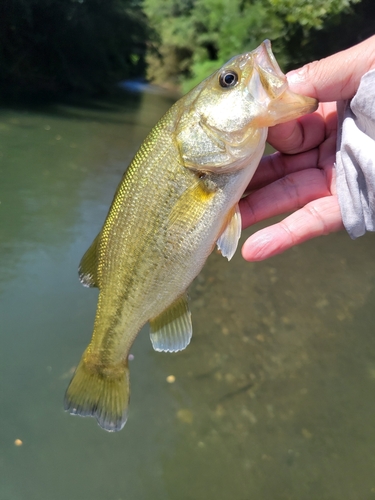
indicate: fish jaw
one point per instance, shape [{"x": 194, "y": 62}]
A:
[
  {"x": 289, "y": 106},
  {"x": 269, "y": 86}
]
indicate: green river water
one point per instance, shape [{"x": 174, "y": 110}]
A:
[{"x": 273, "y": 400}]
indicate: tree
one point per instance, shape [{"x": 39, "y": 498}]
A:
[
  {"x": 194, "y": 37},
  {"x": 70, "y": 44}
]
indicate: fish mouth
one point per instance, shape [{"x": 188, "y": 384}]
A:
[
  {"x": 270, "y": 87},
  {"x": 290, "y": 106}
]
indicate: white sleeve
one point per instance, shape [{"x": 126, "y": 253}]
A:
[{"x": 355, "y": 158}]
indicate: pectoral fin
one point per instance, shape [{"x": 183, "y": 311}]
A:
[
  {"x": 88, "y": 267},
  {"x": 192, "y": 204},
  {"x": 228, "y": 241},
  {"x": 171, "y": 331}
]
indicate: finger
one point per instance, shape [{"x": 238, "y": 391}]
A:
[
  {"x": 305, "y": 133},
  {"x": 317, "y": 218},
  {"x": 276, "y": 166},
  {"x": 287, "y": 194},
  {"x": 298, "y": 135},
  {"x": 336, "y": 77}
]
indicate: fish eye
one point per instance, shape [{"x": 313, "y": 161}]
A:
[{"x": 228, "y": 79}]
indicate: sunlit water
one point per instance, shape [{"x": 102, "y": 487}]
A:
[{"x": 273, "y": 400}]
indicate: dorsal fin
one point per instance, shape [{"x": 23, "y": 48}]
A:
[
  {"x": 228, "y": 241},
  {"x": 88, "y": 267},
  {"x": 171, "y": 331}
]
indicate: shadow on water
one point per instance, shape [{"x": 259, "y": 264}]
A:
[
  {"x": 113, "y": 108},
  {"x": 273, "y": 399}
]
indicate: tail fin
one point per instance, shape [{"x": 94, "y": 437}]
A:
[{"x": 94, "y": 394}]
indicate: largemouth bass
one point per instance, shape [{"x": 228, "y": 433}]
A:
[{"x": 177, "y": 200}]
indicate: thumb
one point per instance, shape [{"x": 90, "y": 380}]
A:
[{"x": 336, "y": 77}]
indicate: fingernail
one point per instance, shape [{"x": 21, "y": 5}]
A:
[{"x": 296, "y": 77}]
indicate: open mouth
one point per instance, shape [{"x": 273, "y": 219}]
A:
[{"x": 269, "y": 87}]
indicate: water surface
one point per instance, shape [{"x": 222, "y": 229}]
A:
[{"x": 273, "y": 400}]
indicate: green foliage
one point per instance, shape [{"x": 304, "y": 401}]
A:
[
  {"x": 230, "y": 28},
  {"x": 171, "y": 46},
  {"x": 309, "y": 14},
  {"x": 192, "y": 38},
  {"x": 70, "y": 44},
  {"x": 340, "y": 30},
  {"x": 87, "y": 45}
]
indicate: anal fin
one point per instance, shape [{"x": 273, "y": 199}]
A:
[
  {"x": 171, "y": 331},
  {"x": 228, "y": 240}
]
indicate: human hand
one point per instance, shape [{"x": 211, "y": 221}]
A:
[{"x": 301, "y": 176}]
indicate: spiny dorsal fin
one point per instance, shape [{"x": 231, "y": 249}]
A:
[
  {"x": 88, "y": 267},
  {"x": 171, "y": 331},
  {"x": 228, "y": 241}
]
